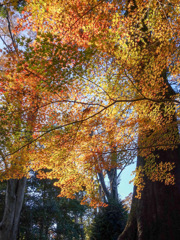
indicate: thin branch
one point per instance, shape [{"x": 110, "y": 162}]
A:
[
  {"x": 11, "y": 35},
  {"x": 85, "y": 13},
  {"x": 138, "y": 148},
  {"x": 134, "y": 84},
  {"x": 160, "y": 4},
  {"x": 94, "y": 84},
  {"x": 5, "y": 43},
  {"x": 59, "y": 127},
  {"x": 72, "y": 101}
]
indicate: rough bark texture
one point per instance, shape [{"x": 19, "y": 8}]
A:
[
  {"x": 13, "y": 205},
  {"x": 156, "y": 216}
]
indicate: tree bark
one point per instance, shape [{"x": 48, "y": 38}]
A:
[
  {"x": 13, "y": 205},
  {"x": 156, "y": 216},
  {"x": 113, "y": 178},
  {"x": 112, "y": 192}
]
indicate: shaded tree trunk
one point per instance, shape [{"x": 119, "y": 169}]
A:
[
  {"x": 113, "y": 178},
  {"x": 112, "y": 192},
  {"x": 13, "y": 205},
  {"x": 156, "y": 216}
]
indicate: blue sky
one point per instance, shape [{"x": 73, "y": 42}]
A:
[{"x": 124, "y": 187}]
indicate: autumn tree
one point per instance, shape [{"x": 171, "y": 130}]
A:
[
  {"x": 45, "y": 216},
  {"x": 137, "y": 64},
  {"x": 9, "y": 139},
  {"x": 21, "y": 101},
  {"x": 23, "y": 95},
  {"x": 109, "y": 222},
  {"x": 107, "y": 73},
  {"x": 154, "y": 214}
]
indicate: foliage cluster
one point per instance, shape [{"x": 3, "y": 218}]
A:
[{"x": 84, "y": 80}]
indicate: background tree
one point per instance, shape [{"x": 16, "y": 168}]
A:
[
  {"x": 20, "y": 104},
  {"x": 45, "y": 216},
  {"x": 15, "y": 188},
  {"x": 109, "y": 222}
]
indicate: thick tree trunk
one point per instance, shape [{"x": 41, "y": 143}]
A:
[
  {"x": 156, "y": 216},
  {"x": 13, "y": 205}
]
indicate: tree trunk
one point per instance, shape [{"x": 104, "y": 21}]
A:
[
  {"x": 113, "y": 179},
  {"x": 13, "y": 205},
  {"x": 156, "y": 216}
]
